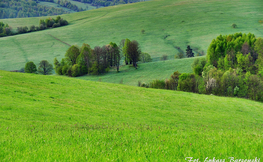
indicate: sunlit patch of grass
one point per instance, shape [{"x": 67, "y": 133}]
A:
[{"x": 55, "y": 118}]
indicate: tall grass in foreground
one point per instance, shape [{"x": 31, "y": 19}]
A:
[
  {"x": 37, "y": 141},
  {"x": 51, "y": 118}
]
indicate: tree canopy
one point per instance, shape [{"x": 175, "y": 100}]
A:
[
  {"x": 24, "y": 8},
  {"x": 30, "y": 67},
  {"x": 45, "y": 67}
]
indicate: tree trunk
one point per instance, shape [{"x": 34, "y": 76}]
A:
[{"x": 117, "y": 67}]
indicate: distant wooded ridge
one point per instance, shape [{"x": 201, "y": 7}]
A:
[
  {"x": 32, "y": 8},
  {"x": 107, "y": 2}
]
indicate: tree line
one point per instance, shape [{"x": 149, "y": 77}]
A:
[
  {"x": 6, "y": 30},
  {"x": 69, "y": 5},
  {"x": 233, "y": 67},
  {"x": 26, "y": 8},
  {"x": 106, "y": 3},
  {"x": 85, "y": 60}
]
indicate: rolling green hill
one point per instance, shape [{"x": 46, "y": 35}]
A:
[
  {"x": 50, "y": 118},
  {"x": 167, "y": 23}
]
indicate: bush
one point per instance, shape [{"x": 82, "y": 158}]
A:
[
  {"x": 63, "y": 22},
  {"x": 164, "y": 57},
  {"x": 145, "y": 57},
  {"x": 173, "y": 81},
  {"x": 145, "y": 85},
  {"x": 32, "y": 28},
  {"x": 59, "y": 70},
  {"x": 42, "y": 27},
  {"x": 65, "y": 70},
  {"x": 75, "y": 70},
  {"x": 236, "y": 90},
  {"x": 55, "y": 25},
  {"x": 158, "y": 84},
  {"x": 234, "y": 25},
  {"x": 30, "y": 67},
  {"x": 201, "y": 85},
  {"x": 198, "y": 70},
  {"x": 179, "y": 55},
  {"x": 187, "y": 83},
  {"x": 37, "y": 28}
]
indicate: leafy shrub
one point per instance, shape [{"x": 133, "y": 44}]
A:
[
  {"x": 65, "y": 70},
  {"x": 187, "y": 83},
  {"x": 201, "y": 85},
  {"x": 172, "y": 83},
  {"x": 236, "y": 90},
  {"x": 32, "y": 28},
  {"x": 179, "y": 55},
  {"x": 55, "y": 25},
  {"x": 30, "y": 67},
  {"x": 164, "y": 57},
  {"x": 145, "y": 85},
  {"x": 145, "y": 57},
  {"x": 75, "y": 70},
  {"x": 234, "y": 25},
  {"x": 42, "y": 27},
  {"x": 158, "y": 84}
]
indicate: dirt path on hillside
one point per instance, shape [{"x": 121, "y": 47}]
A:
[{"x": 60, "y": 40}]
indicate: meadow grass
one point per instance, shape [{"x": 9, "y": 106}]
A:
[
  {"x": 51, "y": 118},
  {"x": 146, "y": 72},
  {"x": 167, "y": 23}
]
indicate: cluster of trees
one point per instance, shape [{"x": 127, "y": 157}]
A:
[
  {"x": 44, "y": 67},
  {"x": 69, "y": 5},
  {"x": 26, "y": 8},
  {"x": 189, "y": 52},
  {"x": 233, "y": 67},
  {"x": 85, "y": 60},
  {"x": 106, "y": 3},
  {"x": 32, "y": 8},
  {"x": 6, "y": 30},
  {"x": 52, "y": 23},
  {"x": 243, "y": 52},
  {"x": 131, "y": 51}
]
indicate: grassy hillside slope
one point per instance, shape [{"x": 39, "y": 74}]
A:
[
  {"x": 146, "y": 72},
  {"x": 54, "y": 118},
  {"x": 182, "y": 22}
]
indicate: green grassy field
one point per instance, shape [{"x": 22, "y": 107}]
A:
[
  {"x": 146, "y": 72},
  {"x": 186, "y": 21},
  {"x": 50, "y": 118}
]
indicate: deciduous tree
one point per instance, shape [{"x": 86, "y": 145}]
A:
[
  {"x": 30, "y": 67},
  {"x": 45, "y": 67}
]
